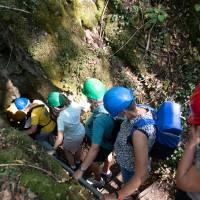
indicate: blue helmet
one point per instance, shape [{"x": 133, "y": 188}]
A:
[
  {"x": 118, "y": 99},
  {"x": 21, "y": 103}
]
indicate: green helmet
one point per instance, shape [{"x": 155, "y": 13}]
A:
[
  {"x": 55, "y": 99},
  {"x": 94, "y": 89}
]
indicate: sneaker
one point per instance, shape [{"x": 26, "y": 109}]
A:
[
  {"x": 73, "y": 167},
  {"x": 107, "y": 174},
  {"x": 96, "y": 183},
  {"x": 78, "y": 164}
]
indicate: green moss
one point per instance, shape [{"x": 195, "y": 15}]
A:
[
  {"x": 46, "y": 188},
  {"x": 85, "y": 13},
  {"x": 100, "y": 7},
  {"x": 11, "y": 155},
  {"x": 24, "y": 148},
  {"x": 19, "y": 147},
  {"x": 16, "y": 137}
]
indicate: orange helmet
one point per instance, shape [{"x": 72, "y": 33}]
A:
[{"x": 194, "y": 117}]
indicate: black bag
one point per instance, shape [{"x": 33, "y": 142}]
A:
[{"x": 116, "y": 129}]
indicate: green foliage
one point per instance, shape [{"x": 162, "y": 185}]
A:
[
  {"x": 155, "y": 15},
  {"x": 135, "y": 9},
  {"x": 197, "y": 7},
  {"x": 117, "y": 4},
  {"x": 166, "y": 169},
  {"x": 172, "y": 161}
]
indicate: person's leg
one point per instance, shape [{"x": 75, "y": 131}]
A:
[
  {"x": 70, "y": 158},
  {"x": 101, "y": 157},
  {"x": 107, "y": 164},
  {"x": 77, "y": 157},
  {"x": 126, "y": 176},
  {"x": 42, "y": 139},
  {"x": 51, "y": 138},
  {"x": 95, "y": 168}
]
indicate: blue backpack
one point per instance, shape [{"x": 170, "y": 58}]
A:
[{"x": 167, "y": 120}]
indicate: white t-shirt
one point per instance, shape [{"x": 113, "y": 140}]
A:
[{"x": 68, "y": 122}]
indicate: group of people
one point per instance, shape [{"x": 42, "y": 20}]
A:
[{"x": 61, "y": 118}]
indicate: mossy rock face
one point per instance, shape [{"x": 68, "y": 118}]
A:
[
  {"x": 46, "y": 188},
  {"x": 53, "y": 35},
  {"x": 37, "y": 170},
  {"x": 85, "y": 12},
  {"x": 12, "y": 154},
  {"x": 22, "y": 147}
]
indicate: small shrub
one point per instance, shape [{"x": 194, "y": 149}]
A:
[{"x": 155, "y": 15}]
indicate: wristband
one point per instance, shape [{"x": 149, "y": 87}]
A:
[{"x": 82, "y": 168}]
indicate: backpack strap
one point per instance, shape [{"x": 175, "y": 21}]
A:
[
  {"x": 38, "y": 106},
  {"x": 144, "y": 122},
  {"x": 140, "y": 123}
]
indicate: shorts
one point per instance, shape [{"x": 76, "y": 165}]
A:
[
  {"x": 126, "y": 175},
  {"x": 73, "y": 145},
  {"x": 102, "y": 155}
]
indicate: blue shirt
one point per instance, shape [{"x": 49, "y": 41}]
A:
[{"x": 99, "y": 128}]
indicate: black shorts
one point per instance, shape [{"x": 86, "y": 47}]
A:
[
  {"x": 181, "y": 195},
  {"x": 102, "y": 155}
]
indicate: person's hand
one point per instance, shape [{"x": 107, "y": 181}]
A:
[
  {"x": 108, "y": 197},
  {"x": 194, "y": 135},
  {"x": 78, "y": 174},
  {"x": 51, "y": 152}
]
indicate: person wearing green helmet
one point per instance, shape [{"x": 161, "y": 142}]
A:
[
  {"x": 94, "y": 89},
  {"x": 56, "y": 102},
  {"x": 98, "y": 128},
  {"x": 70, "y": 131}
]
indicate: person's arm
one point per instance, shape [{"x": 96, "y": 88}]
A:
[
  {"x": 31, "y": 130},
  {"x": 140, "y": 145},
  {"x": 97, "y": 137},
  {"x": 188, "y": 176},
  {"x": 92, "y": 153},
  {"x": 34, "y": 121},
  {"x": 59, "y": 140}
]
